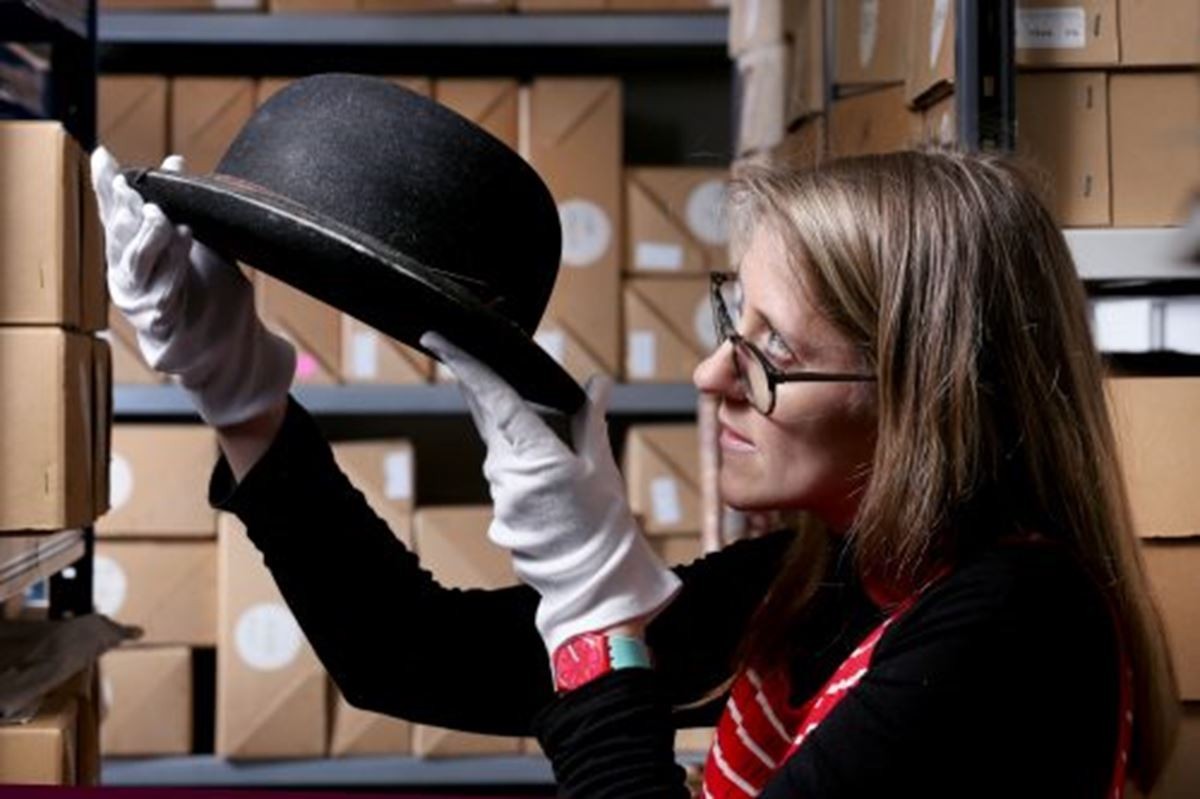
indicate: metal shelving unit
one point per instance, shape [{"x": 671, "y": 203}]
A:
[
  {"x": 25, "y": 560},
  {"x": 433, "y": 400}
]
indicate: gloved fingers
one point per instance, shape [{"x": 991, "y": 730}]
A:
[
  {"x": 169, "y": 282},
  {"x": 149, "y": 243},
  {"x": 174, "y": 163},
  {"x": 589, "y": 425},
  {"x": 125, "y": 198},
  {"x": 498, "y": 410},
  {"x": 105, "y": 169}
]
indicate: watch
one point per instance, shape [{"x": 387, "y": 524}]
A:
[{"x": 586, "y": 656}]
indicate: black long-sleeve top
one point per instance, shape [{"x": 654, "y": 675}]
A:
[{"x": 1000, "y": 681}]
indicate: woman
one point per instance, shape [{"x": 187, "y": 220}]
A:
[{"x": 905, "y": 357}]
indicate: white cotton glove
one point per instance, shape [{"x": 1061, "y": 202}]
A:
[
  {"x": 192, "y": 309},
  {"x": 562, "y": 514}
]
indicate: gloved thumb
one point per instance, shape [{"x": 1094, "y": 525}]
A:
[
  {"x": 104, "y": 171},
  {"x": 174, "y": 163},
  {"x": 589, "y": 425}
]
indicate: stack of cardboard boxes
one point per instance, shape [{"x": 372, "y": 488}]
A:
[
  {"x": 55, "y": 414},
  {"x": 1159, "y": 443},
  {"x": 631, "y": 298}
]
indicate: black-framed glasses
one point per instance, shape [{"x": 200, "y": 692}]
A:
[{"x": 757, "y": 375}]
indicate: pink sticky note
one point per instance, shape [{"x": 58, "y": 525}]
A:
[{"x": 306, "y": 365}]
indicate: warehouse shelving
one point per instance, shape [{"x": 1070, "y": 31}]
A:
[
  {"x": 430, "y": 400},
  {"x": 38, "y": 20},
  {"x": 25, "y": 560}
]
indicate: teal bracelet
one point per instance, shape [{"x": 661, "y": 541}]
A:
[{"x": 626, "y": 652}]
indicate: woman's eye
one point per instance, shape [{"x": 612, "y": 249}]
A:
[{"x": 777, "y": 347}]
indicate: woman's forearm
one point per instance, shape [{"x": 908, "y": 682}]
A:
[{"x": 244, "y": 443}]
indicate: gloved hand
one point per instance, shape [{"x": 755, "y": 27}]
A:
[
  {"x": 562, "y": 514},
  {"x": 192, "y": 309}
]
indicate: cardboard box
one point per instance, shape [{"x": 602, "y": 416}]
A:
[
  {"x": 677, "y": 550},
  {"x": 46, "y": 393},
  {"x": 385, "y": 472},
  {"x": 1155, "y": 158},
  {"x": 1173, "y": 567},
  {"x": 871, "y": 41},
  {"x": 1066, "y": 33},
  {"x": 42, "y": 751},
  {"x": 313, "y": 328},
  {"x": 1062, "y": 127},
  {"x": 83, "y": 688},
  {"x": 694, "y": 740},
  {"x": 1160, "y": 32},
  {"x": 159, "y": 475},
  {"x": 571, "y": 134},
  {"x": 206, "y": 116},
  {"x": 168, "y": 588},
  {"x": 266, "y": 88},
  {"x": 305, "y": 6},
  {"x": 452, "y": 544},
  {"x": 1181, "y": 775},
  {"x": 1154, "y": 419},
  {"x": 939, "y": 122},
  {"x": 668, "y": 328},
  {"x": 806, "y": 81},
  {"x": 931, "y": 52},
  {"x": 147, "y": 701},
  {"x": 490, "y": 104},
  {"x": 41, "y": 280},
  {"x": 102, "y": 424},
  {"x": 93, "y": 266},
  {"x": 754, "y": 24},
  {"x": 877, "y": 121},
  {"x": 181, "y": 5},
  {"x": 676, "y": 220},
  {"x": 129, "y": 367},
  {"x": 132, "y": 117},
  {"x": 762, "y": 91},
  {"x": 271, "y": 689},
  {"x": 435, "y": 5},
  {"x": 369, "y": 356},
  {"x": 802, "y": 148},
  {"x": 666, "y": 5},
  {"x": 661, "y": 465},
  {"x": 355, "y": 732},
  {"x": 535, "y": 6}
]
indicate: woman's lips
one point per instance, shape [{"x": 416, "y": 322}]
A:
[{"x": 733, "y": 441}]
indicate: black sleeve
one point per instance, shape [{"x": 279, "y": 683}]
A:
[
  {"x": 397, "y": 642},
  {"x": 1001, "y": 681}
]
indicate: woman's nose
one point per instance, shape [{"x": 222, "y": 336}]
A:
[{"x": 716, "y": 374}]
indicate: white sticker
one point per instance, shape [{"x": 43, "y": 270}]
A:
[
  {"x": 664, "y": 500},
  {"x": 946, "y": 133},
  {"x": 1181, "y": 325},
  {"x": 110, "y": 586},
  {"x": 642, "y": 354},
  {"x": 705, "y": 213},
  {"x": 106, "y": 697},
  {"x": 937, "y": 30},
  {"x": 658, "y": 256},
  {"x": 1051, "y": 28},
  {"x": 702, "y": 324},
  {"x": 267, "y": 637},
  {"x": 120, "y": 481},
  {"x": 868, "y": 31},
  {"x": 553, "y": 342},
  {"x": 586, "y": 232},
  {"x": 364, "y": 353},
  {"x": 398, "y": 475},
  {"x": 236, "y": 5},
  {"x": 1123, "y": 325},
  {"x": 753, "y": 12}
]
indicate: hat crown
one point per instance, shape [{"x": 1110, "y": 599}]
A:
[{"x": 414, "y": 175}]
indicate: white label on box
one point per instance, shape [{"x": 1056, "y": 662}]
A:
[
  {"x": 705, "y": 213},
  {"x": 1123, "y": 325},
  {"x": 1181, "y": 325},
  {"x": 553, "y": 342},
  {"x": 586, "y": 232},
  {"x": 643, "y": 354},
  {"x": 702, "y": 322},
  {"x": 106, "y": 696},
  {"x": 945, "y": 129},
  {"x": 398, "y": 475},
  {"x": 237, "y": 5},
  {"x": 868, "y": 31},
  {"x": 120, "y": 481},
  {"x": 364, "y": 353},
  {"x": 1051, "y": 28},
  {"x": 664, "y": 500},
  {"x": 752, "y": 14},
  {"x": 658, "y": 256},
  {"x": 267, "y": 637},
  {"x": 110, "y": 586},
  {"x": 937, "y": 30}
]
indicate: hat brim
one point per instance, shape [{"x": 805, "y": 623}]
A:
[{"x": 357, "y": 274}]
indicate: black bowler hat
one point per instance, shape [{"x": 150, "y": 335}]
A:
[{"x": 393, "y": 209}]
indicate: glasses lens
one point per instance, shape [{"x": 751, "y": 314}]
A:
[
  {"x": 753, "y": 377},
  {"x": 730, "y": 292}
]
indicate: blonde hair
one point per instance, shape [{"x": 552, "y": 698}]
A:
[{"x": 951, "y": 276}]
